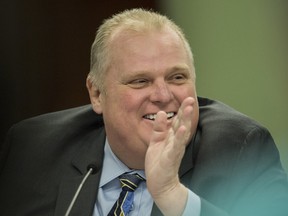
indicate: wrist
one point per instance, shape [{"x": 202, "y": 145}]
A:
[{"x": 172, "y": 202}]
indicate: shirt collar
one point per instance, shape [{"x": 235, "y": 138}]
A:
[{"x": 113, "y": 167}]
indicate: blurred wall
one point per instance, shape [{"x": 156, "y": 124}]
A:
[
  {"x": 45, "y": 53},
  {"x": 241, "y": 55}
]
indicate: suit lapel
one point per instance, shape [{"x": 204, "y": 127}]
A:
[
  {"x": 91, "y": 152},
  {"x": 187, "y": 162}
]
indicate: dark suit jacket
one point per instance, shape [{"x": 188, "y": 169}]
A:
[{"x": 231, "y": 163}]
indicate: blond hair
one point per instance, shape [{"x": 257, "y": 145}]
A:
[{"x": 138, "y": 20}]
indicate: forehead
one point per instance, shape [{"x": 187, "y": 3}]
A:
[
  {"x": 129, "y": 43},
  {"x": 123, "y": 34},
  {"x": 151, "y": 50}
]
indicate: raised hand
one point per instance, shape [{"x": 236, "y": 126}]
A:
[{"x": 163, "y": 158}]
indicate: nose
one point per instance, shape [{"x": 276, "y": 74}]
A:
[{"x": 161, "y": 92}]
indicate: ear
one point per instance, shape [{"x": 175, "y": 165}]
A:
[{"x": 95, "y": 96}]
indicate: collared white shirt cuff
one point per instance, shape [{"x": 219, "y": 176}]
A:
[{"x": 193, "y": 205}]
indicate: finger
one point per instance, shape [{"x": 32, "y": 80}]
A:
[
  {"x": 183, "y": 115},
  {"x": 176, "y": 149},
  {"x": 188, "y": 102},
  {"x": 160, "y": 128},
  {"x": 160, "y": 122}
]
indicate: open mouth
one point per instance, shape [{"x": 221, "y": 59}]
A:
[{"x": 152, "y": 117}]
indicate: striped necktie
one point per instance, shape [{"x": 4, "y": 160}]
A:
[{"x": 129, "y": 183}]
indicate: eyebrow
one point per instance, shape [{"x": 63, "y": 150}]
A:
[
  {"x": 181, "y": 67},
  {"x": 174, "y": 69}
]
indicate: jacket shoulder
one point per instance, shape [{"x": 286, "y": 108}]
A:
[
  {"x": 220, "y": 116},
  {"x": 82, "y": 116}
]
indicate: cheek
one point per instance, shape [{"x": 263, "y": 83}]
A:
[
  {"x": 126, "y": 101},
  {"x": 184, "y": 92}
]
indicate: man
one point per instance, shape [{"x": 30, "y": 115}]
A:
[{"x": 197, "y": 156}]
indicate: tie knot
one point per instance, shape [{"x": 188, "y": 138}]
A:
[{"x": 129, "y": 182}]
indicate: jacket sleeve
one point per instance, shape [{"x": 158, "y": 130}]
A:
[
  {"x": 261, "y": 177},
  {"x": 258, "y": 185}
]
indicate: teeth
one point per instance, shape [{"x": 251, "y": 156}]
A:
[
  {"x": 150, "y": 116},
  {"x": 170, "y": 115},
  {"x": 153, "y": 116}
]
